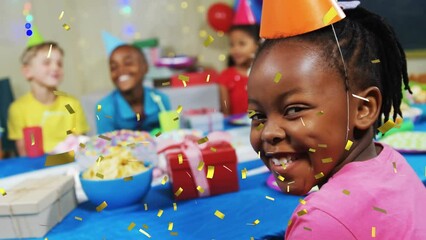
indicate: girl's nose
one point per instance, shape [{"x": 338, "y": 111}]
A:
[{"x": 272, "y": 132}]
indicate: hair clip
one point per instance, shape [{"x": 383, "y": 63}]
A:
[{"x": 349, "y": 4}]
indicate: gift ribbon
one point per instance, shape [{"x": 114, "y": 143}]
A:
[{"x": 194, "y": 155}]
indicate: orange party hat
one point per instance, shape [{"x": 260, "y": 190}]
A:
[
  {"x": 244, "y": 15},
  {"x": 286, "y": 18}
]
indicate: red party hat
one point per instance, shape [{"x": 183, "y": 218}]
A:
[{"x": 244, "y": 15}]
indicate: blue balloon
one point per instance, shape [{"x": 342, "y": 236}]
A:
[{"x": 256, "y": 8}]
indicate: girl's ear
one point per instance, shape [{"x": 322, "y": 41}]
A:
[
  {"x": 367, "y": 112},
  {"x": 26, "y": 71}
]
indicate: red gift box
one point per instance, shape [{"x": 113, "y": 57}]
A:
[{"x": 185, "y": 175}]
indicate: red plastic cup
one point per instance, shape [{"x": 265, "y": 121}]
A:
[{"x": 33, "y": 139}]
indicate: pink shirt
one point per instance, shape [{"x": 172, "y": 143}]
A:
[{"x": 374, "y": 188}]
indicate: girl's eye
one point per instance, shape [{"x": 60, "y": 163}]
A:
[
  {"x": 258, "y": 117},
  {"x": 293, "y": 110}
]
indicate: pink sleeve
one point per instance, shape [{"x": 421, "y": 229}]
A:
[{"x": 317, "y": 224}]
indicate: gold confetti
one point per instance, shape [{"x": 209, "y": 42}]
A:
[
  {"x": 375, "y": 61},
  {"x": 145, "y": 205},
  {"x": 345, "y": 191},
  {"x": 3, "y": 192},
  {"x": 160, "y": 212},
  {"x": 260, "y": 126},
  {"x": 99, "y": 160},
  {"x": 200, "y": 189},
  {"x": 69, "y": 108},
  {"x": 394, "y": 167},
  {"x": 320, "y": 113},
  {"x": 251, "y": 113},
  {"x": 312, "y": 150},
  {"x": 219, "y": 214},
  {"x": 180, "y": 158},
  {"x": 303, "y": 123},
  {"x": 331, "y": 13},
  {"x": 213, "y": 149},
  {"x": 82, "y": 145},
  {"x": 386, "y": 126},
  {"x": 289, "y": 222},
  {"x": 203, "y": 140},
  {"x": 227, "y": 168},
  {"x": 173, "y": 233},
  {"x": 174, "y": 206},
  {"x": 281, "y": 178},
  {"x": 32, "y": 139},
  {"x": 251, "y": 238},
  {"x": 104, "y": 137},
  {"x": 208, "y": 78},
  {"x": 130, "y": 178},
  {"x": 303, "y": 202},
  {"x": 380, "y": 210},
  {"x": 208, "y": 41},
  {"x": 78, "y": 218},
  {"x": 348, "y": 145},
  {"x": 277, "y": 77},
  {"x": 165, "y": 83},
  {"x": 327, "y": 160},
  {"x": 60, "y": 93},
  {"x": 50, "y": 51},
  {"x": 244, "y": 173},
  {"x": 302, "y": 212},
  {"x": 373, "y": 232},
  {"x": 179, "y": 109},
  {"x": 165, "y": 179},
  {"x": 145, "y": 226},
  {"x": 170, "y": 228},
  {"x": 210, "y": 172},
  {"x": 183, "y": 78},
  {"x": 66, "y": 26},
  {"x": 101, "y": 206},
  {"x": 176, "y": 118},
  {"x": 178, "y": 192},
  {"x": 359, "y": 97},
  {"x": 59, "y": 159},
  {"x": 288, "y": 188},
  {"x": 69, "y": 132},
  {"x": 200, "y": 166},
  {"x": 61, "y": 15},
  {"x": 307, "y": 229},
  {"x": 100, "y": 175},
  {"x": 108, "y": 116},
  {"x": 158, "y": 134},
  {"x": 270, "y": 198},
  {"x": 138, "y": 117},
  {"x": 322, "y": 145},
  {"x": 257, "y": 221},
  {"x": 144, "y": 233},
  {"x": 319, "y": 175},
  {"x": 131, "y": 226}
]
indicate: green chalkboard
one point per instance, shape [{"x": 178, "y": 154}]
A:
[{"x": 408, "y": 18}]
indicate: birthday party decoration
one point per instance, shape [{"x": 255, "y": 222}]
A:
[
  {"x": 244, "y": 15},
  {"x": 220, "y": 17},
  {"x": 35, "y": 38},
  {"x": 110, "y": 42},
  {"x": 254, "y": 5},
  {"x": 297, "y": 17}
]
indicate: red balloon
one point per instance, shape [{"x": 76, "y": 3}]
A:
[{"x": 220, "y": 16}]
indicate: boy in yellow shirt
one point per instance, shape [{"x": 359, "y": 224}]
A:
[{"x": 56, "y": 114}]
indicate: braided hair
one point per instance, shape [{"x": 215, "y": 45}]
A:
[{"x": 363, "y": 36}]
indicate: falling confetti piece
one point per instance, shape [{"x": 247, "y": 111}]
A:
[
  {"x": 60, "y": 93},
  {"x": 202, "y": 140},
  {"x": 78, "y": 218},
  {"x": 307, "y": 229},
  {"x": 3, "y": 192},
  {"x": 303, "y": 123},
  {"x": 208, "y": 78},
  {"x": 100, "y": 175},
  {"x": 210, "y": 172},
  {"x": 138, "y": 117},
  {"x": 244, "y": 173},
  {"x": 208, "y": 41},
  {"x": 227, "y": 168},
  {"x": 319, "y": 175},
  {"x": 165, "y": 179},
  {"x": 373, "y": 232},
  {"x": 130, "y": 178},
  {"x": 281, "y": 178},
  {"x": 131, "y": 226},
  {"x": 59, "y": 159},
  {"x": 178, "y": 192},
  {"x": 66, "y": 26},
  {"x": 394, "y": 167},
  {"x": 183, "y": 78},
  {"x": 345, "y": 191},
  {"x": 69, "y": 132},
  {"x": 288, "y": 188},
  {"x": 380, "y": 210},
  {"x": 189, "y": 175},
  {"x": 160, "y": 212},
  {"x": 200, "y": 166},
  {"x": 302, "y": 212},
  {"x": 179, "y": 109},
  {"x": 251, "y": 113},
  {"x": 213, "y": 149},
  {"x": 176, "y": 118},
  {"x": 158, "y": 134},
  {"x": 200, "y": 189},
  {"x": 50, "y": 51},
  {"x": 348, "y": 145},
  {"x": 289, "y": 222},
  {"x": 144, "y": 233},
  {"x": 108, "y": 116},
  {"x": 322, "y": 145},
  {"x": 145, "y": 205},
  {"x": 104, "y": 137},
  {"x": 101, "y": 206},
  {"x": 99, "y": 160},
  {"x": 277, "y": 77},
  {"x": 170, "y": 228},
  {"x": 375, "y": 61},
  {"x": 61, "y": 15},
  {"x": 97, "y": 117},
  {"x": 69, "y": 108},
  {"x": 327, "y": 160},
  {"x": 32, "y": 139},
  {"x": 173, "y": 233},
  {"x": 257, "y": 221},
  {"x": 386, "y": 126},
  {"x": 331, "y": 13},
  {"x": 320, "y": 113},
  {"x": 174, "y": 206},
  {"x": 82, "y": 145},
  {"x": 270, "y": 198},
  {"x": 312, "y": 150},
  {"x": 180, "y": 158},
  {"x": 260, "y": 126},
  {"x": 359, "y": 97},
  {"x": 145, "y": 226},
  {"x": 302, "y": 201},
  {"x": 219, "y": 214},
  {"x": 251, "y": 238}
]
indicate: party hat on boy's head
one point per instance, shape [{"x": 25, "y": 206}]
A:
[
  {"x": 110, "y": 42},
  {"x": 286, "y": 18},
  {"x": 35, "y": 38},
  {"x": 244, "y": 15}
]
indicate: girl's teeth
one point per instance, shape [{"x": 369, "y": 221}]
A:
[
  {"x": 282, "y": 161},
  {"x": 123, "y": 78}
]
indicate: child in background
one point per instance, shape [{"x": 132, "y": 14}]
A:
[
  {"x": 311, "y": 130},
  {"x": 131, "y": 106},
  {"x": 244, "y": 41},
  {"x": 41, "y": 107}
]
